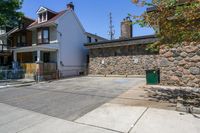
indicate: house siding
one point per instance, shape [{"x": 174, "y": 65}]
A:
[{"x": 72, "y": 54}]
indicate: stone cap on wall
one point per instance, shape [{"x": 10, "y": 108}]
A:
[{"x": 123, "y": 42}]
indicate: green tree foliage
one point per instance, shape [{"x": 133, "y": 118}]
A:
[
  {"x": 9, "y": 12},
  {"x": 174, "y": 21}
]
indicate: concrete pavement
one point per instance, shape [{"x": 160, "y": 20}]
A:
[
  {"x": 16, "y": 120},
  {"x": 130, "y": 119},
  {"x": 88, "y": 105},
  {"x": 70, "y": 98},
  {"x": 108, "y": 118}
]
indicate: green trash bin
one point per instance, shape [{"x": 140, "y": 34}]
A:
[{"x": 153, "y": 77}]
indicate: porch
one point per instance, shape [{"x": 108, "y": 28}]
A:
[{"x": 38, "y": 62}]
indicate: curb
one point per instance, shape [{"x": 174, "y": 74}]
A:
[
  {"x": 18, "y": 85},
  {"x": 120, "y": 76}
]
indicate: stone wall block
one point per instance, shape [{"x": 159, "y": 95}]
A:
[
  {"x": 191, "y": 49},
  {"x": 194, "y": 70},
  {"x": 164, "y": 62},
  {"x": 183, "y": 54}
]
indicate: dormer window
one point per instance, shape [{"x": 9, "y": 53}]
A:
[
  {"x": 44, "y": 14},
  {"x": 42, "y": 17}
]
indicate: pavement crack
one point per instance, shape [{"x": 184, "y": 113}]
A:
[
  {"x": 98, "y": 127},
  {"x": 138, "y": 120}
]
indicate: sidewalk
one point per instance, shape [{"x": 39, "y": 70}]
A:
[
  {"x": 16, "y": 120},
  {"x": 16, "y": 83},
  {"x": 108, "y": 118}
]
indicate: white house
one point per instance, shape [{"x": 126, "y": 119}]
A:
[{"x": 58, "y": 40}]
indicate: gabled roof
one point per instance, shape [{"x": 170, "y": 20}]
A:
[
  {"x": 43, "y": 9},
  {"x": 16, "y": 29},
  {"x": 52, "y": 20},
  {"x": 95, "y": 36}
]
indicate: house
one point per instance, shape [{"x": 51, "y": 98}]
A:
[
  {"x": 5, "y": 54},
  {"x": 57, "y": 44}
]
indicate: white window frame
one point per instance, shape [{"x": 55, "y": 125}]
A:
[{"x": 44, "y": 19}]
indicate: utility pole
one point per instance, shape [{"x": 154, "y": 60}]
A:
[{"x": 111, "y": 28}]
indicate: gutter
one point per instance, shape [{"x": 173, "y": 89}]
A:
[{"x": 122, "y": 40}]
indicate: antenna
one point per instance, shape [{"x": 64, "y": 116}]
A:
[{"x": 111, "y": 28}]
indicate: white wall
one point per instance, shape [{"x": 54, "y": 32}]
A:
[{"x": 72, "y": 52}]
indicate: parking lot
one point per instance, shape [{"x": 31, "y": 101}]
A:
[{"x": 68, "y": 99}]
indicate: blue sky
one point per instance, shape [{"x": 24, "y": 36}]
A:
[{"x": 93, "y": 14}]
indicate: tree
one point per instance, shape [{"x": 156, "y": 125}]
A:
[
  {"x": 9, "y": 12},
  {"x": 174, "y": 21}
]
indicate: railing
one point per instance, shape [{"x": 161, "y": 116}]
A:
[
  {"x": 12, "y": 74},
  {"x": 3, "y": 47}
]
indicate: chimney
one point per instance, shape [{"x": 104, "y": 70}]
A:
[
  {"x": 70, "y": 6},
  {"x": 126, "y": 28}
]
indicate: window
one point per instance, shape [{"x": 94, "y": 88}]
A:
[
  {"x": 2, "y": 30},
  {"x": 46, "y": 57},
  {"x": 89, "y": 39},
  {"x": 42, "y": 17},
  {"x": 43, "y": 36},
  {"x": 21, "y": 25},
  {"x": 21, "y": 40},
  {"x": 18, "y": 39},
  {"x": 96, "y": 40},
  {"x": 46, "y": 36},
  {"x": 39, "y": 36}
]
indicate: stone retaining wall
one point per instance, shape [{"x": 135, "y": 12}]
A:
[
  {"x": 180, "y": 65},
  {"x": 126, "y": 60}
]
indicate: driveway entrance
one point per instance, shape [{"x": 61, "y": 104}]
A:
[{"x": 68, "y": 99}]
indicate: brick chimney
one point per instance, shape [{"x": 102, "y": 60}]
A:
[
  {"x": 126, "y": 28},
  {"x": 70, "y": 6}
]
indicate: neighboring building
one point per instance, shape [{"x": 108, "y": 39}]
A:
[
  {"x": 5, "y": 54},
  {"x": 57, "y": 44},
  {"x": 124, "y": 56},
  {"x": 178, "y": 65}
]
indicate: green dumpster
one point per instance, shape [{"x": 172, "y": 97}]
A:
[{"x": 153, "y": 77}]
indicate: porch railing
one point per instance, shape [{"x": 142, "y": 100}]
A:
[
  {"x": 3, "y": 47},
  {"x": 12, "y": 74}
]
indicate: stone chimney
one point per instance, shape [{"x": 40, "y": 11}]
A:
[
  {"x": 126, "y": 28},
  {"x": 70, "y": 6}
]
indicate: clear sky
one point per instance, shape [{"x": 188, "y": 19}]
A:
[{"x": 93, "y": 14}]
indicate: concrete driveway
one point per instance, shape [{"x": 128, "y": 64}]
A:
[{"x": 68, "y": 99}]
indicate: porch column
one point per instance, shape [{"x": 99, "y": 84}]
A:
[
  {"x": 15, "y": 56},
  {"x": 38, "y": 67},
  {"x": 38, "y": 55}
]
